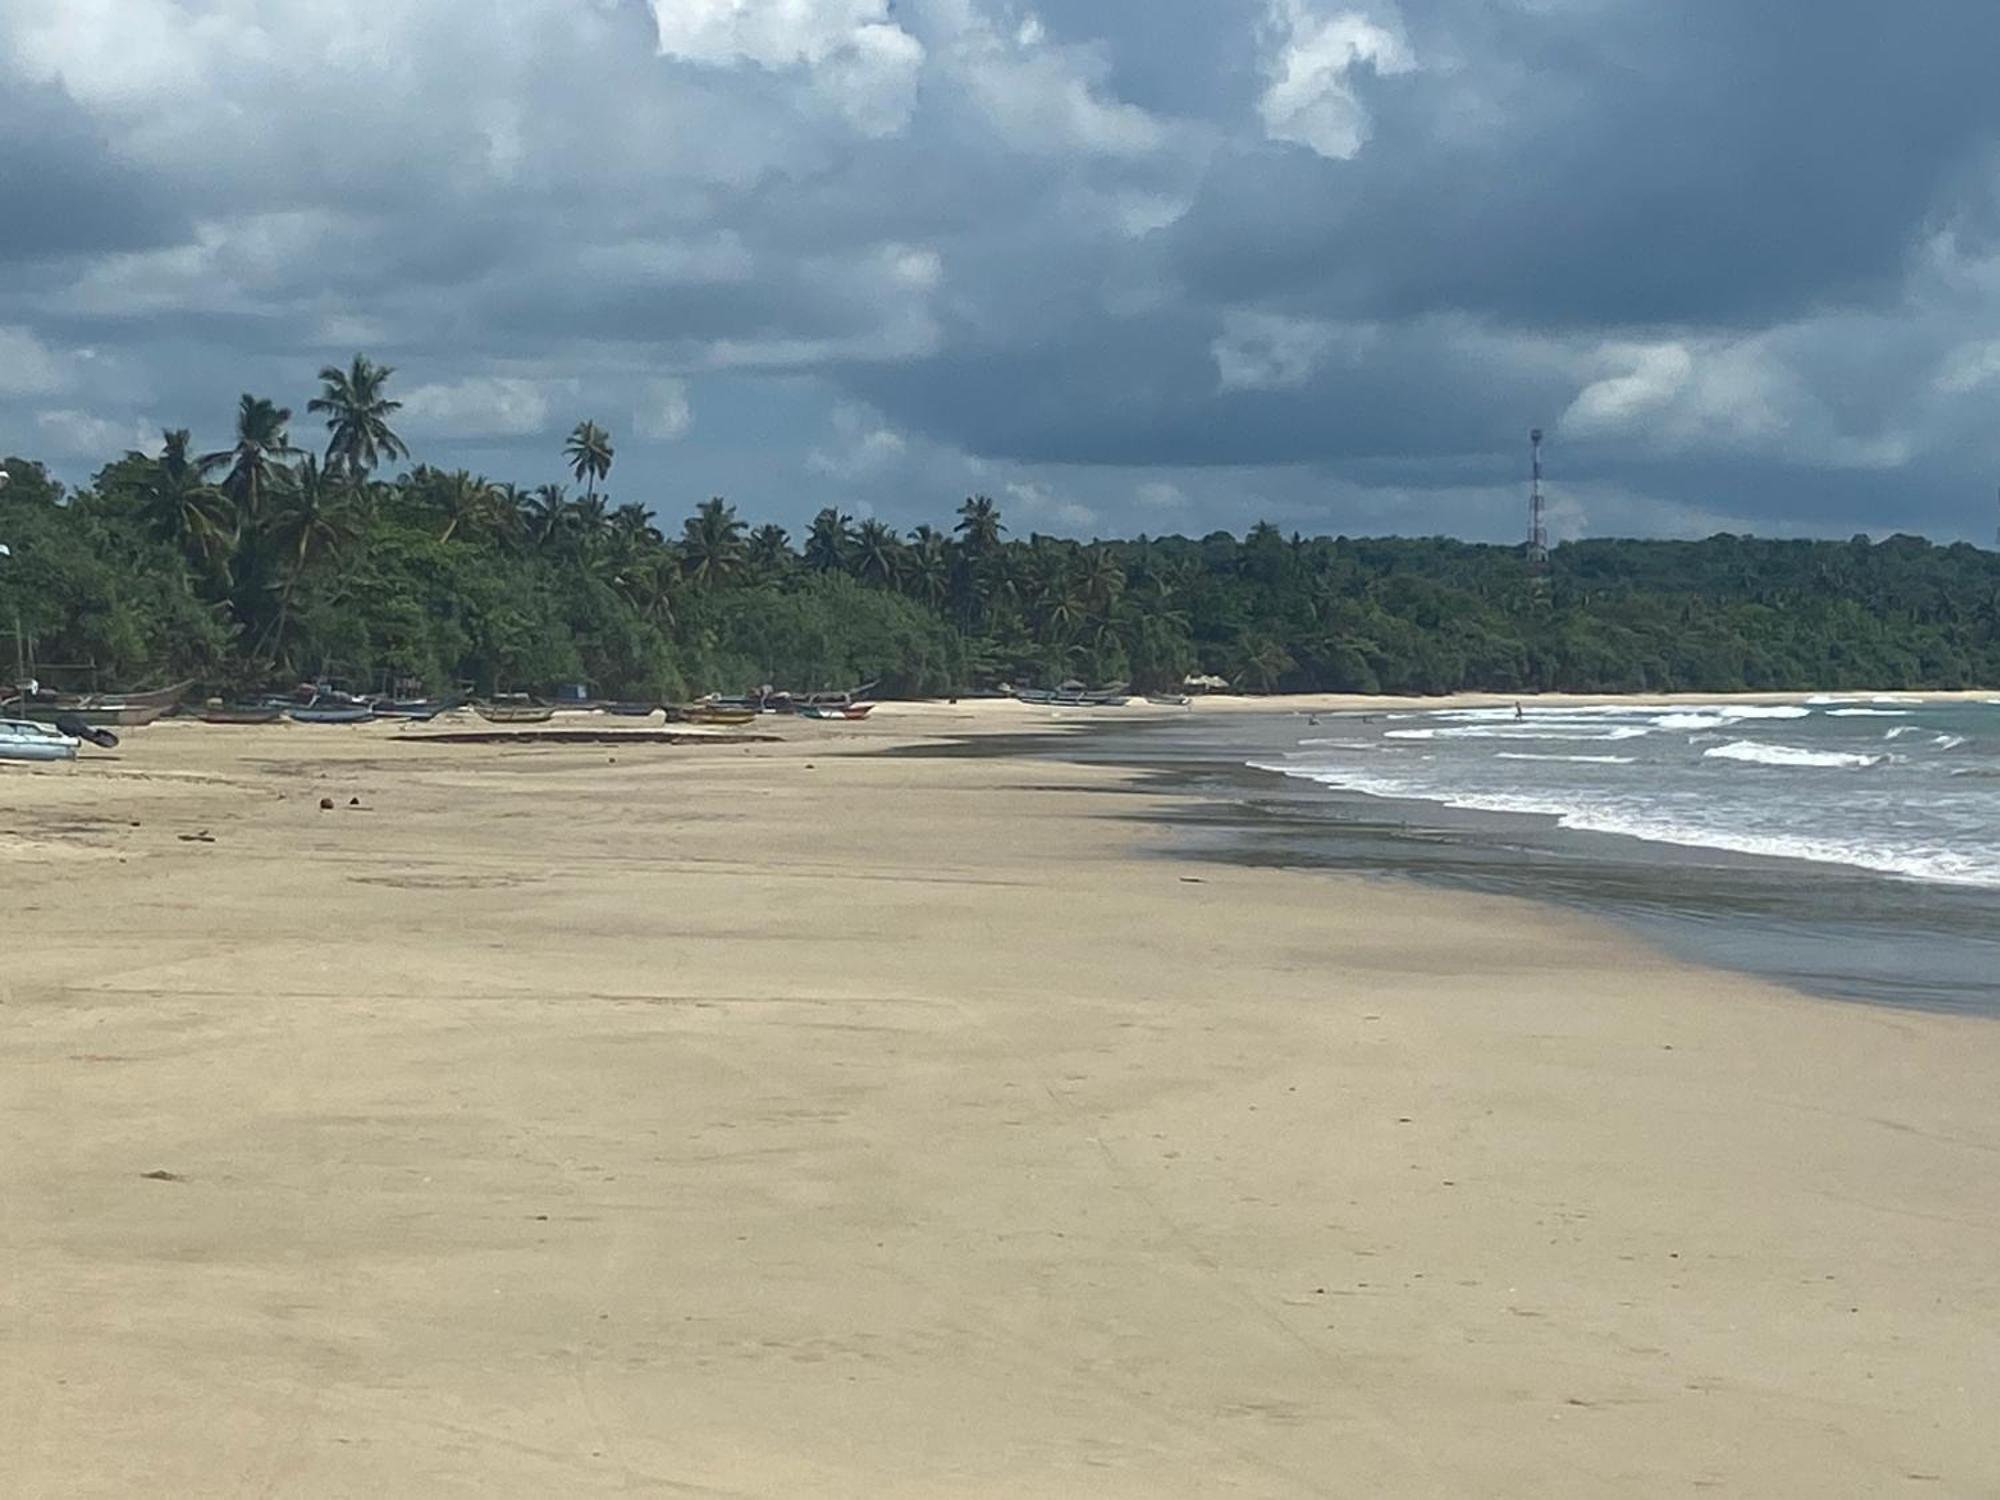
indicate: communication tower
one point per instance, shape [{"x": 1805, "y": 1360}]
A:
[{"x": 1538, "y": 530}]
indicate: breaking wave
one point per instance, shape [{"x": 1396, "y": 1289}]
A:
[{"x": 1757, "y": 754}]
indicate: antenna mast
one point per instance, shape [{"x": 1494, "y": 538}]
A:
[{"x": 1538, "y": 531}]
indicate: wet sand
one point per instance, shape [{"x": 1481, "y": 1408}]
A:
[{"x": 788, "y": 1120}]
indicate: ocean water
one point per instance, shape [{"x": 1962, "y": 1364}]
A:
[
  {"x": 1899, "y": 787},
  {"x": 1848, "y": 847}
]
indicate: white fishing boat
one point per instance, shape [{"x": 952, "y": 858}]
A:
[{"x": 28, "y": 739}]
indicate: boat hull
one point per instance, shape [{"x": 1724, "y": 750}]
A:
[
  {"x": 492, "y": 715},
  {"x": 245, "y": 713},
  {"x": 100, "y": 715},
  {"x": 413, "y": 711},
  {"x": 343, "y": 714},
  {"x": 31, "y": 740}
]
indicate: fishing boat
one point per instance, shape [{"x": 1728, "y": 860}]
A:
[
  {"x": 514, "y": 708},
  {"x": 30, "y": 739},
  {"x": 412, "y": 710},
  {"x": 1074, "y": 695},
  {"x": 241, "y": 713},
  {"x": 335, "y": 708},
  {"x": 165, "y": 697},
  {"x": 162, "y": 698},
  {"x": 847, "y": 699},
  {"x": 835, "y": 711},
  {"x": 718, "y": 714},
  {"x": 1169, "y": 700},
  {"x": 105, "y": 714},
  {"x": 632, "y": 710},
  {"x": 99, "y": 710}
]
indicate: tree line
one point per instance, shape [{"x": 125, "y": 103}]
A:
[{"x": 260, "y": 564}]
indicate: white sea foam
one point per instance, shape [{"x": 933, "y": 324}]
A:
[
  {"x": 1659, "y": 826},
  {"x": 1868, "y": 713},
  {"x": 1757, "y": 754},
  {"x": 1521, "y": 731},
  {"x": 1949, "y": 741},
  {"x": 1706, "y": 717},
  {"x": 1574, "y": 760},
  {"x": 1899, "y": 731}
]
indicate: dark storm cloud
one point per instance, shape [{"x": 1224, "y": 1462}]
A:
[
  {"x": 62, "y": 191},
  {"x": 1709, "y": 163},
  {"x": 1193, "y": 58},
  {"x": 1741, "y": 259},
  {"x": 1144, "y": 392}
]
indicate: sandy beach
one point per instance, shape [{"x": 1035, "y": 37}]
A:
[{"x": 795, "y": 1119}]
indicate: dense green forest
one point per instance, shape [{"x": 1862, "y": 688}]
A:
[{"x": 262, "y": 564}]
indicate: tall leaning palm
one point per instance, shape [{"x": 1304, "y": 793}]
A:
[
  {"x": 315, "y": 517},
  {"x": 263, "y": 443},
  {"x": 357, "y": 416},
  {"x": 589, "y": 453},
  {"x": 979, "y": 524},
  {"x": 179, "y": 505},
  {"x": 467, "y": 503}
]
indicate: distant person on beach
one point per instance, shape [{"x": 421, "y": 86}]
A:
[{"x": 1517, "y": 711}]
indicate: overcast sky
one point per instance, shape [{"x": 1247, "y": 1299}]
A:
[{"x": 1125, "y": 265}]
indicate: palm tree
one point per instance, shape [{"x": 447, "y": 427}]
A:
[
  {"x": 653, "y": 586},
  {"x": 546, "y": 515},
  {"x": 179, "y": 505},
  {"x": 769, "y": 552},
  {"x": 357, "y": 416},
  {"x": 979, "y": 523},
  {"x": 589, "y": 453},
  {"x": 927, "y": 566},
  {"x": 468, "y": 503},
  {"x": 712, "y": 548},
  {"x": 509, "y": 505},
  {"x": 590, "y": 519},
  {"x": 1103, "y": 580},
  {"x": 1260, "y": 659},
  {"x": 262, "y": 443},
  {"x": 877, "y": 551},
  {"x": 828, "y": 540},
  {"x": 981, "y": 573},
  {"x": 632, "y": 527},
  {"x": 314, "y": 520}
]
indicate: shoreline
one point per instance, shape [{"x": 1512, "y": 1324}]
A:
[
  {"x": 1833, "y": 927},
  {"x": 1711, "y": 907},
  {"x": 1376, "y": 702},
  {"x": 792, "y": 1118}
]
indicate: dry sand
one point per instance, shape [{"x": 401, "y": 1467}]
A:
[{"x": 779, "y": 1120}]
